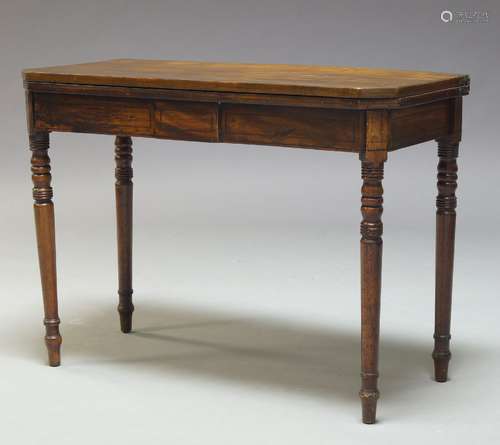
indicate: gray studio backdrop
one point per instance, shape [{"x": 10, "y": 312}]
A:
[{"x": 263, "y": 232}]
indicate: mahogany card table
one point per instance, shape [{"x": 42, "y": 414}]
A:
[{"x": 368, "y": 112}]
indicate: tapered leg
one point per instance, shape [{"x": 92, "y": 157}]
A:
[
  {"x": 371, "y": 272},
  {"x": 124, "y": 189},
  {"x": 45, "y": 233},
  {"x": 446, "y": 203}
]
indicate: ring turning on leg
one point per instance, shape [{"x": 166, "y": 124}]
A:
[
  {"x": 446, "y": 204},
  {"x": 124, "y": 190},
  {"x": 371, "y": 270},
  {"x": 45, "y": 233}
]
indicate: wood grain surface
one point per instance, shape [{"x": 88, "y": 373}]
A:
[{"x": 306, "y": 80}]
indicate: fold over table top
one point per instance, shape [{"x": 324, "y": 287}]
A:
[{"x": 296, "y": 80}]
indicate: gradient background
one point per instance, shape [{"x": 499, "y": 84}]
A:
[{"x": 246, "y": 258}]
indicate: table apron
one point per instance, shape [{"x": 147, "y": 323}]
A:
[{"x": 275, "y": 125}]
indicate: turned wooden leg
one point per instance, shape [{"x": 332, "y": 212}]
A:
[
  {"x": 124, "y": 189},
  {"x": 45, "y": 233},
  {"x": 371, "y": 271},
  {"x": 446, "y": 203}
]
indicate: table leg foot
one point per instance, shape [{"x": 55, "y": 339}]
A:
[
  {"x": 125, "y": 309},
  {"x": 369, "y": 405},
  {"x": 53, "y": 341},
  {"x": 441, "y": 361}
]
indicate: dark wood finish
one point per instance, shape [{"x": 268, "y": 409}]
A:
[
  {"x": 421, "y": 123},
  {"x": 124, "y": 196},
  {"x": 189, "y": 121},
  {"x": 371, "y": 276},
  {"x": 84, "y": 114},
  {"x": 292, "y": 127},
  {"x": 250, "y": 98},
  {"x": 371, "y": 112},
  {"x": 45, "y": 234},
  {"x": 302, "y": 80},
  {"x": 446, "y": 203},
  {"x": 377, "y": 136}
]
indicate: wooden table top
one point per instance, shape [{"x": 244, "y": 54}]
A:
[{"x": 302, "y": 80}]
